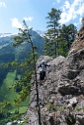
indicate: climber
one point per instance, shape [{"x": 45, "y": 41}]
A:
[{"x": 42, "y": 68}]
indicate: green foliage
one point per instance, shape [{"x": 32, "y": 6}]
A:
[
  {"x": 17, "y": 89},
  {"x": 23, "y": 85},
  {"x": 66, "y": 38},
  {"x": 70, "y": 119},
  {"x": 5, "y": 93},
  {"x": 83, "y": 108},
  {"x": 58, "y": 38},
  {"x": 53, "y": 107},
  {"x": 9, "y": 95},
  {"x": 53, "y": 26}
]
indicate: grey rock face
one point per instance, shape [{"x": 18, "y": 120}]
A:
[{"x": 61, "y": 95}]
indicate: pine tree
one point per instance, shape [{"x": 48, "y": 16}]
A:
[
  {"x": 25, "y": 36},
  {"x": 51, "y": 43},
  {"x": 66, "y": 37}
]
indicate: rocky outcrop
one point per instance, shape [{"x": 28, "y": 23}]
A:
[
  {"x": 78, "y": 44},
  {"x": 61, "y": 96}
]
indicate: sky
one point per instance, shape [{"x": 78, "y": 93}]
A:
[{"x": 34, "y": 12}]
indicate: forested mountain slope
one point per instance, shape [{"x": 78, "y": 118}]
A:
[{"x": 8, "y": 53}]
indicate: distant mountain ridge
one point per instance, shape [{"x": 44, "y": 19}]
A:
[
  {"x": 7, "y": 34},
  {"x": 40, "y": 32},
  {"x": 6, "y": 47},
  {"x": 8, "y": 53}
]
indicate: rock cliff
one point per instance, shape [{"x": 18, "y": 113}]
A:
[{"x": 61, "y": 96}]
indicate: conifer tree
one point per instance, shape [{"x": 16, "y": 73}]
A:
[
  {"x": 25, "y": 36},
  {"x": 52, "y": 32},
  {"x": 66, "y": 37}
]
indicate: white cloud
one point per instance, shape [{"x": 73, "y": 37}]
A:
[
  {"x": 80, "y": 20},
  {"x": 56, "y": 1},
  {"x": 16, "y": 23},
  {"x": 53, "y": 3},
  {"x": 70, "y": 11},
  {"x": 28, "y": 18},
  {"x": 67, "y": 5},
  {"x": 76, "y": 24},
  {"x": 2, "y": 4},
  {"x": 81, "y": 10}
]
